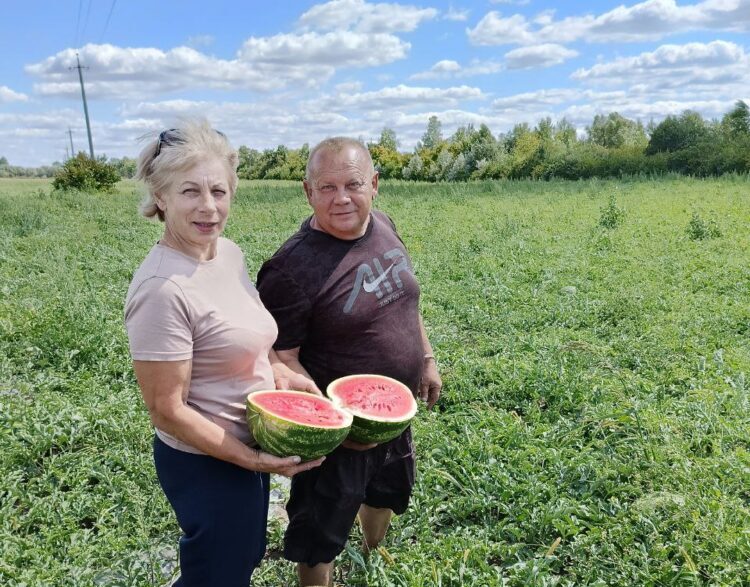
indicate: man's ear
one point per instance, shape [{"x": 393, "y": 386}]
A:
[
  {"x": 375, "y": 178},
  {"x": 308, "y": 189}
]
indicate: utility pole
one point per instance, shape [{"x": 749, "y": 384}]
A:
[
  {"x": 85, "y": 107},
  {"x": 72, "y": 150}
]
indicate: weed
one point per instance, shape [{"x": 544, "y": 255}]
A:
[
  {"x": 700, "y": 229},
  {"x": 611, "y": 215}
]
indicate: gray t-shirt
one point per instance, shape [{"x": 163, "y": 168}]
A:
[
  {"x": 179, "y": 308},
  {"x": 352, "y": 307}
]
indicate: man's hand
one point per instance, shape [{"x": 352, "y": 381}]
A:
[{"x": 431, "y": 384}]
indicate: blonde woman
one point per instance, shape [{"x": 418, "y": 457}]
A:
[{"x": 201, "y": 340}]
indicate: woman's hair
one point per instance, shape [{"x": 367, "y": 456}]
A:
[{"x": 175, "y": 151}]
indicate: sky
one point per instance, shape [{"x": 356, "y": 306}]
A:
[{"x": 292, "y": 72}]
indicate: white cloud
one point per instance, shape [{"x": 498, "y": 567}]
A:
[
  {"x": 200, "y": 41},
  {"x": 361, "y": 16},
  {"x": 493, "y": 29},
  {"x": 580, "y": 106},
  {"x": 536, "y": 100},
  {"x": 351, "y": 86},
  {"x": 315, "y": 50},
  {"x": 535, "y": 56},
  {"x": 695, "y": 71},
  {"x": 8, "y": 95},
  {"x": 262, "y": 64},
  {"x": 401, "y": 96},
  {"x": 122, "y": 72},
  {"x": 447, "y": 68},
  {"x": 673, "y": 59},
  {"x": 456, "y": 15},
  {"x": 649, "y": 20}
]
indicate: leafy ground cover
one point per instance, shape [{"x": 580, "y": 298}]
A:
[{"x": 594, "y": 423}]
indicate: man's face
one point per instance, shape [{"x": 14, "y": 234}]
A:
[{"x": 340, "y": 190}]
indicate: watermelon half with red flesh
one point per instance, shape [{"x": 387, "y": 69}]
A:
[
  {"x": 288, "y": 423},
  {"x": 382, "y": 407}
]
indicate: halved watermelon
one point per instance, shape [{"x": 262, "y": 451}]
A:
[
  {"x": 382, "y": 407},
  {"x": 287, "y": 423}
]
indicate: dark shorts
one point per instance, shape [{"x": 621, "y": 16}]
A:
[{"x": 324, "y": 501}]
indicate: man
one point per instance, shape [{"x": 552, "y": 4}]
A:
[{"x": 344, "y": 296}]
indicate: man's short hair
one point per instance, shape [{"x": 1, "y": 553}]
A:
[{"x": 336, "y": 145}]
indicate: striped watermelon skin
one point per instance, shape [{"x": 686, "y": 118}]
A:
[
  {"x": 283, "y": 437},
  {"x": 367, "y": 427}
]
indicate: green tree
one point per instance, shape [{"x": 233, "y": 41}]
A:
[
  {"x": 414, "y": 169},
  {"x": 385, "y": 156},
  {"x": 388, "y": 139},
  {"x": 565, "y": 132},
  {"x": 736, "y": 122},
  {"x": 433, "y": 136},
  {"x": 126, "y": 166},
  {"x": 614, "y": 131},
  {"x": 248, "y": 159},
  {"x": 678, "y": 132}
]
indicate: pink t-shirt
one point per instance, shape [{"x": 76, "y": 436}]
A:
[{"x": 179, "y": 308}]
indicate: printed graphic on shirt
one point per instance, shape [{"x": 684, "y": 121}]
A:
[{"x": 385, "y": 284}]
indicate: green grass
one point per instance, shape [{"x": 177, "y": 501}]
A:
[{"x": 594, "y": 423}]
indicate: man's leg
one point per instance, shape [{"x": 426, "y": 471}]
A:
[
  {"x": 321, "y": 574},
  {"x": 375, "y": 522}
]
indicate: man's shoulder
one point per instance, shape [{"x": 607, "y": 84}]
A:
[{"x": 295, "y": 249}]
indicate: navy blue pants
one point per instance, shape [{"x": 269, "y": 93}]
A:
[{"x": 222, "y": 510}]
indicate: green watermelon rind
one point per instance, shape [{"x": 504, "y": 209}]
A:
[
  {"x": 373, "y": 429},
  {"x": 284, "y": 438}
]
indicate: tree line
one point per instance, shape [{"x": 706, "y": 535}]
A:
[{"x": 611, "y": 146}]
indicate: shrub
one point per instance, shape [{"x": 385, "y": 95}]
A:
[
  {"x": 87, "y": 175},
  {"x": 700, "y": 229},
  {"x": 612, "y": 215}
]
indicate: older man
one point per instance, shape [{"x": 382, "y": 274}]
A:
[{"x": 343, "y": 293}]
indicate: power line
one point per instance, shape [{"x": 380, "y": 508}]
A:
[
  {"x": 85, "y": 106},
  {"x": 106, "y": 24},
  {"x": 86, "y": 21},
  {"x": 78, "y": 22}
]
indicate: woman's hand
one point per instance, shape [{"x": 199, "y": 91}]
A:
[
  {"x": 286, "y": 378},
  {"x": 286, "y": 466}
]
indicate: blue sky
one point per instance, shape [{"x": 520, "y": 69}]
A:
[{"x": 275, "y": 72}]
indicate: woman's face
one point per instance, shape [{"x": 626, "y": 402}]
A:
[{"x": 196, "y": 207}]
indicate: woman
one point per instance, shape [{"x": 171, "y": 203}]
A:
[{"x": 201, "y": 340}]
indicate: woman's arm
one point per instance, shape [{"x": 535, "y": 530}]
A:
[{"x": 164, "y": 386}]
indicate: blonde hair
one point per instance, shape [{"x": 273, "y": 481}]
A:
[
  {"x": 336, "y": 145},
  {"x": 176, "y": 150}
]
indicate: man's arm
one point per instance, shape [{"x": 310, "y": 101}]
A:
[{"x": 431, "y": 384}]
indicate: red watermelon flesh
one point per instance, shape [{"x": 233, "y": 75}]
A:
[
  {"x": 288, "y": 423},
  {"x": 382, "y": 407}
]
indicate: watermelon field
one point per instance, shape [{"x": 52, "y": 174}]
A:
[{"x": 594, "y": 429}]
